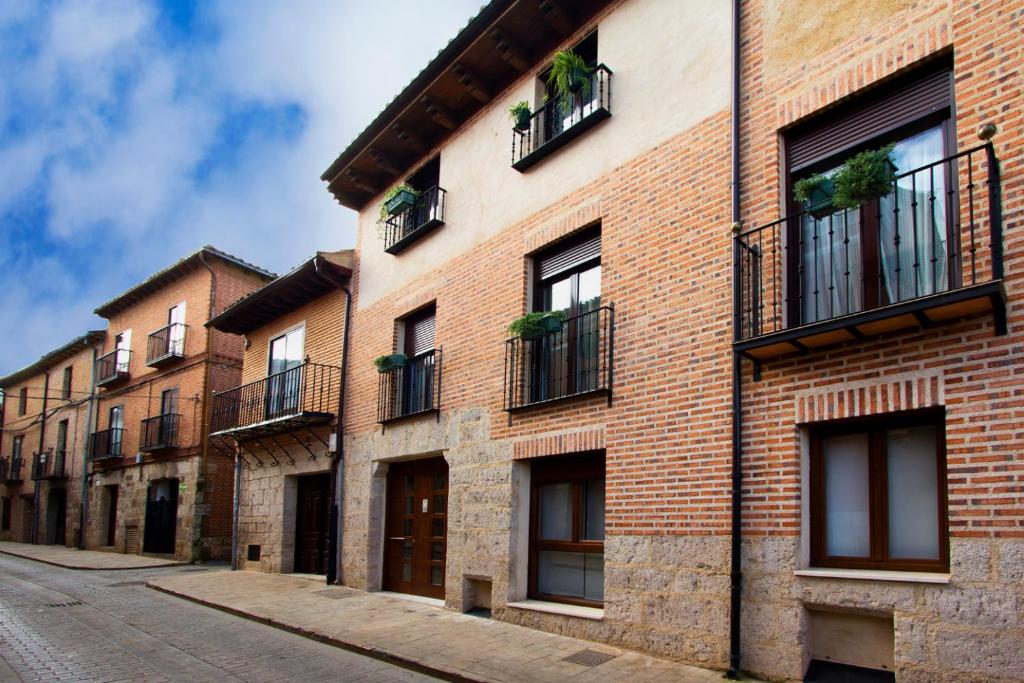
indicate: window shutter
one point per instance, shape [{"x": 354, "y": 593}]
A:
[
  {"x": 869, "y": 119},
  {"x": 419, "y": 332},
  {"x": 558, "y": 260}
]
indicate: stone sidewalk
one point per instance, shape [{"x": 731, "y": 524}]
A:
[
  {"x": 71, "y": 558},
  {"x": 437, "y": 641}
]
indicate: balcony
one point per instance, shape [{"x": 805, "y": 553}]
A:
[
  {"x": 160, "y": 432},
  {"x": 554, "y": 125},
  {"x": 414, "y": 389},
  {"x": 106, "y": 445},
  {"x": 401, "y": 230},
  {"x": 50, "y": 465},
  {"x": 166, "y": 344},
  {"x": 10, "y": 470},
  {"x": 928, "y": 252},
  {"x": 300, "y": 397},
  {"x": 574, "y": 361},
  {"x": 112, "y": 367}
]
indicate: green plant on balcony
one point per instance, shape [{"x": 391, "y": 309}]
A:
[
  {"x": 520, "y": 115},
  {"x": 569, "y": 76},
  {"x": 864, "y": 177},
  {"x": 390, "y": 362},
  {"x": 537, "y": 324},
  {"x": 816, "y": 194},
  {"x": 398, "y": 199}
]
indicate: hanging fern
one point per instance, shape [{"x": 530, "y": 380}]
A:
[{"x": 569, "y": 76}]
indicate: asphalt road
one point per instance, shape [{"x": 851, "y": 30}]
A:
[{"x": 65, "y": 625}]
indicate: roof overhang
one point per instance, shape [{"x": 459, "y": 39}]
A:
[
  {"x": 316, "y": 277},
  {"x": 504, "y": 41},
  {"x": 58, "y": 355}
]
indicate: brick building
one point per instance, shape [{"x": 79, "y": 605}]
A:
[
  {"x": 45, "y": 429},
  {"x": 155, "y": 486}
]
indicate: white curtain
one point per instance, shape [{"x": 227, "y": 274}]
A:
[{"x": 832, "y": 270}]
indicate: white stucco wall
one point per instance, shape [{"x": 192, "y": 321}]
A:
[{"x": 671, "y": 66}]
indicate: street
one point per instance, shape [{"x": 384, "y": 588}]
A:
[{"x": 64, "y": 625}]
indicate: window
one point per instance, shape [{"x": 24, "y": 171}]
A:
[
  {"x": 560, "y": 116},
  {"x": 567, "y": 529},
  {"x": 122, "y": 346},
  {"x": 899, "y": 247},
  {"x": 285, "y": 375},
  {"x": 116, "y": 430},
  {"x": 878, "y": 494},
  {"x": 66, "y": 384},
  {"x": 169, "y": 401},
  {"x": 23, "y": 401},
  {"x": 16, "y": 449},
  {"x": 5, "y": 513},
  {"x": 176, "y": 330},
  {"x": 62, "y": 438},
  {"x": 417, "y": 383}
]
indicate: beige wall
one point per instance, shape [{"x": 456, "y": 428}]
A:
[{"x": 670, "y": 64}]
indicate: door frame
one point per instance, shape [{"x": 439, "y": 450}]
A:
[{"x": 291, "y": 527}]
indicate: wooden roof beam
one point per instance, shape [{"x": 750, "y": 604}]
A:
[
  {"x": 509, "y": 53},
  {"x": 472, "y": 83},
  {"x": 409, "y": 139},
  {"x": 557, "y": 16},
  {"x": 357, "y": 181},
  {"x": 381, "y": 162},
  {"x": 440, "y": 115}
]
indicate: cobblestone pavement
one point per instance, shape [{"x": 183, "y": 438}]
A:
[{"x": 61, "y": 625}]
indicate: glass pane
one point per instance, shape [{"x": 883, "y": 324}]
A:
[
  {"x": 590, "y": 289},
  {"x": 436, "y": 576},
  {"x": 556, "y": 512},
  {"x": 440, "y": 481},
  {"x": 406, "y": 572},
  {"x": 913, "y": 494},
  {"x": 437, "y": 551},
  {"x": 407, "y": 527},
  {"x": 410, "y": 504},
  {"x": 407, "y": 550},
  {"x": 558, "y": 296},
  {"x": 437, "y": 528},
  {"x": 410, "y": 483},
  {"x": 831, "y": 267},
  {"x": 560, "y": 573},
  {"x": 593, "y": 513},
  {"x": 439, "y": 506},
  {"x": 593, "y": 577},
  {"x": 847, "y": 505}
]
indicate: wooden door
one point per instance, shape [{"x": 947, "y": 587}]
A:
[
  {"x": 417, "y": 527},
  {"x": 311, "y": 524},
  {"x": 111, "y": 514},
  {"x": 161, "y": 517}
]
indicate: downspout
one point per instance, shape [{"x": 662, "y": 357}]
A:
[
  {"x": 42, "y": 437},
  {"x": 337, "y": 499},
  {"x": 89, "y": 429},
  {"x": 736, "y": 575},
  {"x": 205, "y": 417}
]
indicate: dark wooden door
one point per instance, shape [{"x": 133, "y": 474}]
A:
[
  {"x": 111, "y": 514},
  {"x": 161, "y": 517},
  {"x": 56, "y": 513},
  {"x": 311, "y": 524},
  {"x": 417, "y": 527}
]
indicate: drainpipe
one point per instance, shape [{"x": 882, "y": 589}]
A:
[
  {"x": 205, "y": 416},
  {"x": 235, "y": 500},
  {"x": 736, "y": 575},
  {"x": 42, "y": 437},
  {"x": 334, "y": 529},
  {"x": 89, "y": 429}
]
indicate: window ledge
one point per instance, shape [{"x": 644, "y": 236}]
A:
[
  {"x": 873, "y": 575},
  {"x": 559, "y": 608}
]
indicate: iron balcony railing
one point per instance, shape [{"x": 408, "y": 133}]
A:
[
  {"x": 49, "y": 465},
  {"x": 575, "y": 360},
  {"x": 113, "y": 366},
  {"x": 410, "y": 390},
  {"x": 10, "y": 470},
  {"x": 557, "y": 122},
  {"x": 160, "y": 432},
  {"x": 402, "y": 229},
  {"x": 165, "y": 344},
  {"x": 939, "y": 230},
  {"x": 106, "y": 444},
  {"x": 306, "y": 390}
]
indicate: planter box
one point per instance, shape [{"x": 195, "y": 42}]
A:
[{"x": 402, "y": 201}]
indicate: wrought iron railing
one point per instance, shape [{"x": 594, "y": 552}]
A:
[
  {"x": 557, "y": 117},
  {"x": 398, "y": 230},
  {"x": 10, "y": 469},
  {"x": 412, "y": 389},
  {"x": 106, "y": 444},
  {"x": 113, "y": 366},
  {"x": 166, "y": 343},
  {"x": 49, "y": 465},
  {"x": 160, "y": 432},
  {"x": 306, "y": 389},
  {"x": 939, "y": 230},
  {"x": 575, "y": 360}
]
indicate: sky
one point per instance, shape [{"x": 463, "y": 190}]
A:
[{"x": 133, "y": 132}]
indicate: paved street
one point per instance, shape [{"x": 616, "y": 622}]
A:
[{"x": 62, "y": 625}]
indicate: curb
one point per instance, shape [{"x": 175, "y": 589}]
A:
[
  {"x": 383, "y": 655},
  {"x": 89, "y": 569}
]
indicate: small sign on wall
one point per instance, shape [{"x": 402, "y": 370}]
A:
[{"x": 182, "y": 487}]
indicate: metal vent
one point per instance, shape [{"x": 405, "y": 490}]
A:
[
  {"x": 73, "y": 603},
  {"x": 589, "y": 657},
  {"x": 121, "y": 584}
]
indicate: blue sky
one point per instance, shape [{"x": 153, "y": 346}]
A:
[{"x": 132, "y": 132}]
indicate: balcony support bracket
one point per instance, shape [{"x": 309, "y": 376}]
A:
[
  {"x": 312, "y": 455},
  {"x": 259, "y": 461}
]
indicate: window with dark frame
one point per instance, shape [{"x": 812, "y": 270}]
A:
[
  {"x": 878, "y": 493},
  {"x": 16, "y": 447},
  {"x": 898, "y": 247},
  {"x": 22, "y": 401},
  {"x": 416, "y": 387},
  {"x": 66, "y": 384},
  {"x": 559, "y": 115},
  {"x": 567, "y": 529}
]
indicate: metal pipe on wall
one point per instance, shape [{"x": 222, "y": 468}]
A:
[{"x": 89, "y": 429}]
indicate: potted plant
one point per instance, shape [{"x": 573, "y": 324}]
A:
[
  {"x": 520, "y": 115},
  {"x": 390, "y": 362},
  {"x": 570, "y": 76},
  {"x": 536, "y": 324},
  {"x": 815, "y": 193},
  {"x": 864, "y": 177},
  {"x": 398, "y": 199}
]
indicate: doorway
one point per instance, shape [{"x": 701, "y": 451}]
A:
[
  {"x": 28, "y": 514},
  {"x": 416, "y": 527},
  {"x": 311, "y": 516},
  {"x": 111, "y": 495},
  {"x": 56, "y": 512},
  {"x": 161, "y": 517}
]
